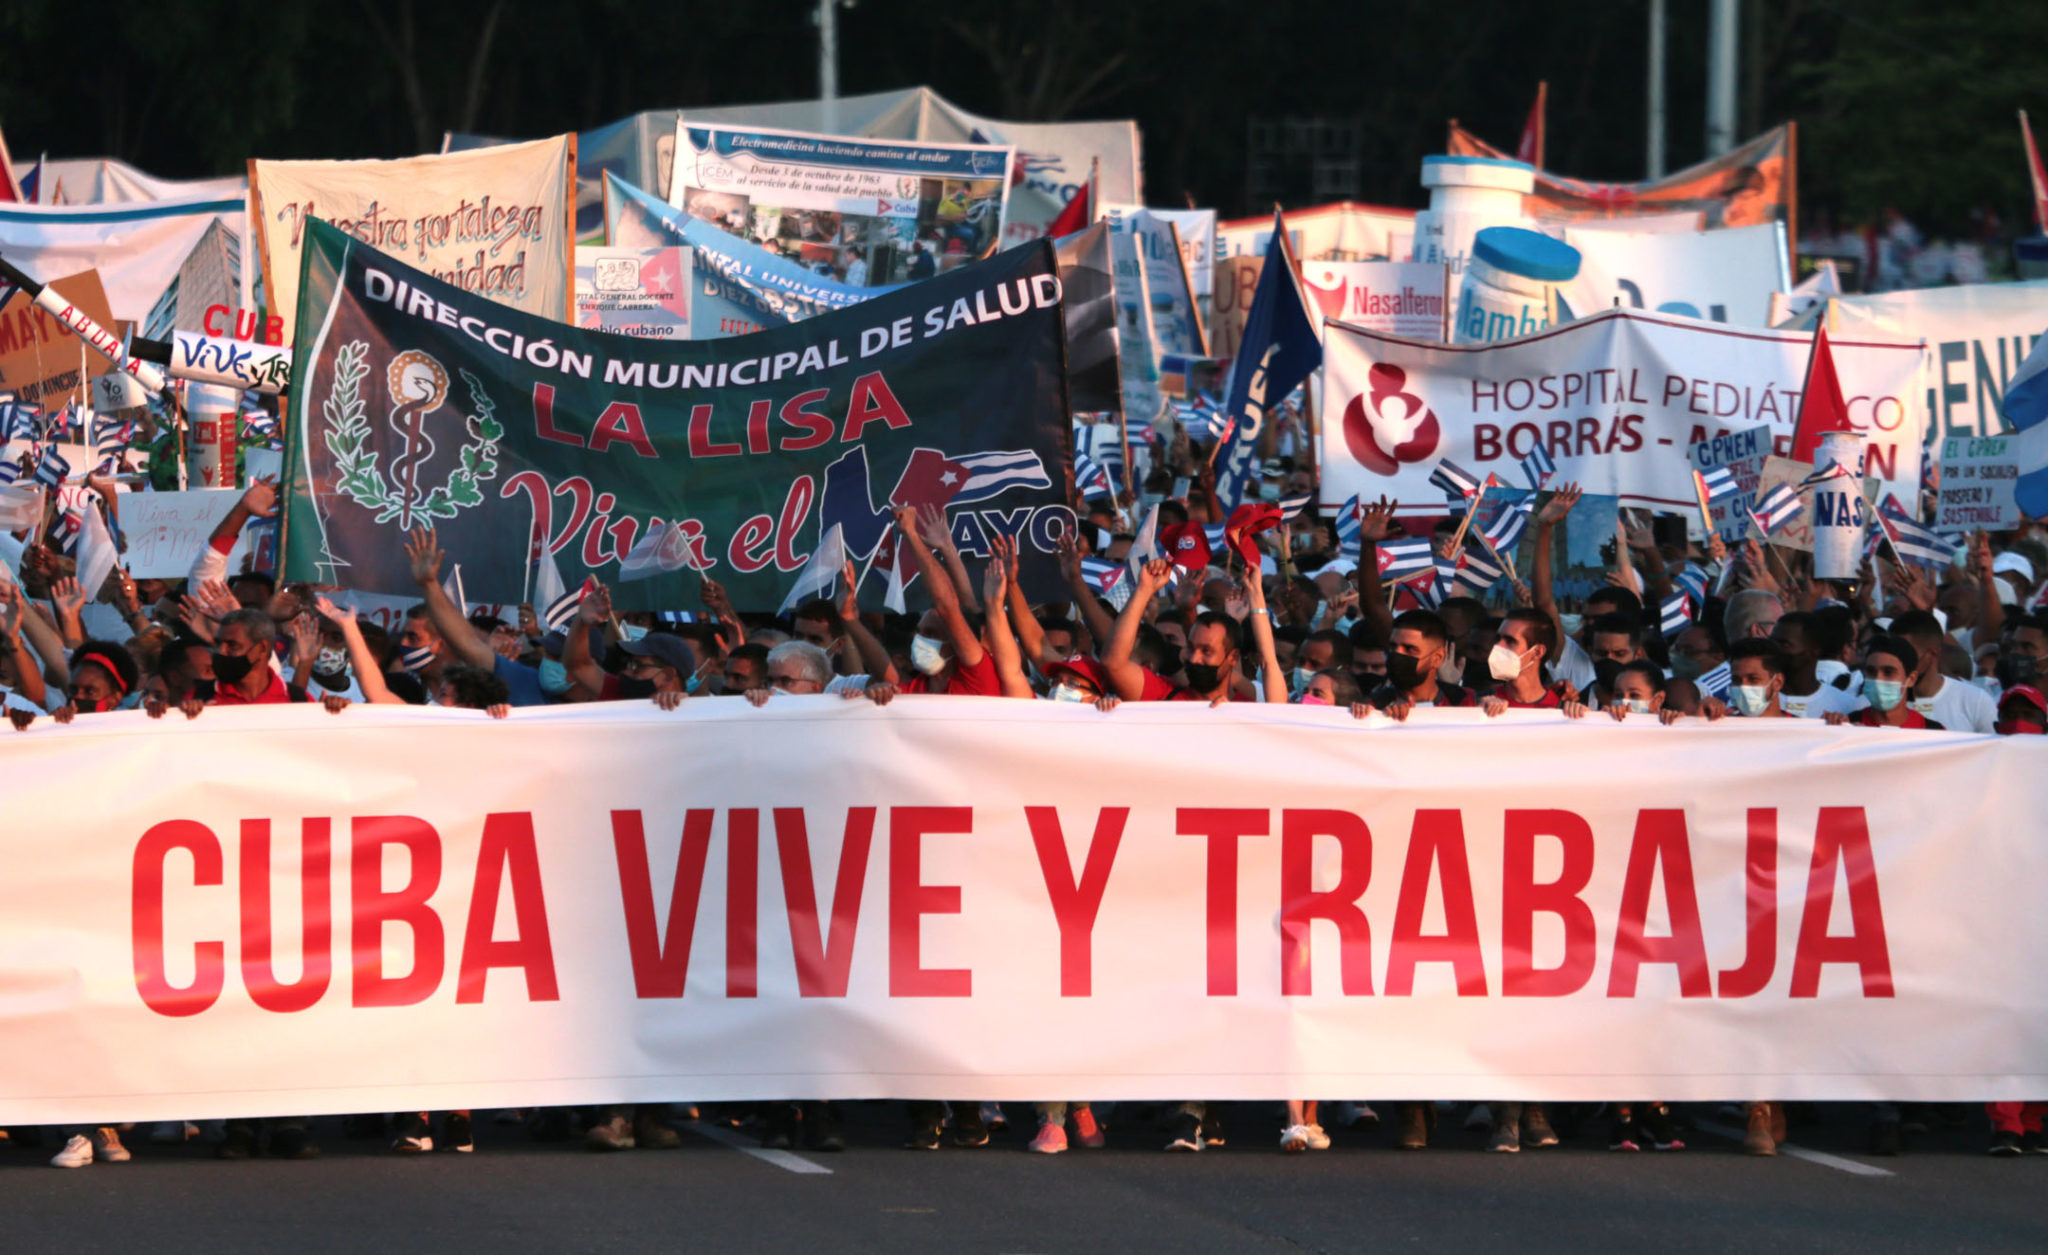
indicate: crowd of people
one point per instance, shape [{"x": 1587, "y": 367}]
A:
[{"x": 1310, "y": 622}]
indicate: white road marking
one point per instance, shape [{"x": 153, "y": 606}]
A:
[
  {"x": 745, "y": 1145},
  {"x": 1825, "y": 1160}
]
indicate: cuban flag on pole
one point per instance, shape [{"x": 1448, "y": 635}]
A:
[
  {"x": 556, "y": 605},
  {"x": 1090, "y": 480},
  {"x": 53, "y": 469},
  {"x": 1506, "y": 530},
  {"x": 1401, "y": 560},
  {"x": 1779, "y": 506},
  {"x": 1676, "y": 613},
  {"x": 1457, "y": 483},
  {"x": 1538, "y": 467},
  {"x": 990, "y": 474},
  {"x": 1715, "y": 483},
  {"x": 1349, "y": 521},
  {"x": 1715, "y": 683},
  {"x": 2026, "y": 408},
  {"x": 1279, "y": 349},
  {"x": 1915, "y": 544},
  {"x": 1291, "y": 506}
]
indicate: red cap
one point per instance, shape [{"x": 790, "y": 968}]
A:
[
  {"x": 1187, "y": 544},
  {"x": 1247, "y": 521},
  {"x": 2026, "y": 693},
  {"x": 1085, "y": 666}
]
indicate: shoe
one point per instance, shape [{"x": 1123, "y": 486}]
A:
[
  {"x": 1655, "y": 1122},
  {"x": 651, "y": 1133},
  {"x": 240, "y": 1143},
  {"x": 293, "y": 1143},
  {"x": 1478, "y": 1118},
  {"x": 2004, "y": 1144},
  {"x": 1357, "y": 1115},
  {"x": 1051, "y": 1140},
  {"x": 992, "y": 1117},
  {"x": 1186, "y": 1142},
  {"x": 509, "y": 1115},
  {"x": 1758, "y": 1140},
  {"x": 1507, "y": 1137},
  {"x": 413, "y": 1136},
  {"x": 922, "y": 1139},
  {"x": 613, "y": 1134},
  {"x": 455, "y": 1134},
  {"x": 106, "y": 1144},
  {"x": 1536, "y": 1130},
  {"x": 780, "y": 1133},
  {"x": 1317, "y": 1139},
  {"x": 2034, "y": 1143},
  {"x": 969, "y": 1136},
  {"x": 1886, "y": 1140},
  {"x": 1086, "y": 1130},
  {"x": 1294, "y": 1138},
  {"x": 171, "y": 1132},
  {"x": 77, "y": 1153},
  {"x": 1415, "y": 1121},
  {"x": 1624, "y": 1137}
]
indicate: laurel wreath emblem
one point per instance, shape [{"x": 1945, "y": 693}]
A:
[{"x": 347, "y": 435}]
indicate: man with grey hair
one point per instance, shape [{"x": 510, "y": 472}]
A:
[{"x": 1751, "y": 614}]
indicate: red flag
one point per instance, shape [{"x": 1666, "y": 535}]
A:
[
  {"x": 1821, "y": 408},
  {"x": 10, "y": 187},
  {"x": 1080, "y": 210},
  {"x": 1187, "y": 544},
  {"x": 1245, "y": 522},
  {"x": 2037, "y": 174},
  {"x": 1531, "y": 147}
]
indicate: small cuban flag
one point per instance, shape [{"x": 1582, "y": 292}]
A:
[
  {"x": 1456, "y": 482},
  {"x": 1779, "y": 506},
  {"x": 1715, "y": 483},
  {"x": 53, "y": 469},
  {"x": 1507, "y": 528},
  {"x": 1291, "y": 506},
  {"x": 1402, "y": 560},
  {"x": 1538, "y": 467},
  {"x": 1715, "y": 683},
  {"x": 1475, "y": 574},
  {"x": 1676, "y": 613},
  {"x": 1090, "y": 480},
  {"x": 1914, "y": 543},
  {"x": 1349, "y": 520}
]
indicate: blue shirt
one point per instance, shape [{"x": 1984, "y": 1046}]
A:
[{"x": 522, "y": 680}]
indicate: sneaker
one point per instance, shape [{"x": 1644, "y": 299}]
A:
[
  {"x": 1357, "y": 1115},
  {"x": 1415, "y": 1121},
  {"x": 826, "y": 1139},
  {"x": 1657, "y": 1126},
  {"x": 293, "y": 1143},
  {"x": 455, "y": 1134},
  {"x": 1294, "y": 1138},
  {"x": 1624, "y": 1138},
  {"x": 1536, "y": 1130},
  {"x": 1086, "y": 1130},
  {"x": 992, "y": 1117},
  {"x": 77, "y": 1153},
  {"x": 1757, "y": 1140},
  {"x": 106, "y": 1144},
  {"x": 651, "y": 1133},
  {"x": 1885, "y": 1139},
  {"x": 1186, "y": 1142},
  {"x": 1317, "y": 1139},
  {"x": 1051, "y": 1140},
  {"x": 413, "y": 1136},
  {"x": 969, "y": 1136},
  {"x": 922, "y": 1139},
  {"x": 1479, "y": 1118},
  {"x": 1507, "y": 1137},
  {"x": 613, "y": 1134},
  {"x": 2004, "y": 1144},
  {"x": 2034, "y": 1143}
]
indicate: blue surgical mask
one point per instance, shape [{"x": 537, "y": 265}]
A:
[
  {"x": 1750, "y": 700},
  {"x": 694, "y": 683},
  {"x": 554, "y": 677},
  {"x": 1068, "y": 693},
  {"x": 927, "y": 655},
  {"x": 1883, "y": 694},
  {"x": 1636, "y": 707},
  {"x": 1299, "y": 679},
  {"x": 418, "y": 658}
]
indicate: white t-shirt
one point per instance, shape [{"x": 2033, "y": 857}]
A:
[
  {"x": 1822, "y": 701},
  {"x": 1958, "y": 707}
]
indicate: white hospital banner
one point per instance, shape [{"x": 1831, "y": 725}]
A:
[
  {"x": 1725, "y": 276},
  {"x": 1401, "y": 298},
  {"x": 495, "y": 221},
  {"x": 869, "y": 212},
  {"x": 1617, "y": 399},
  {"x": 139, "y": 250},
  {"x": 1977, "y": 335},
  {"x": 410, "y": 909}
]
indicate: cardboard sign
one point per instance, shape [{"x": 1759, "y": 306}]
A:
[
  {"x": 1744, "y": 453},
  {"x": 1977, "y": 477},
  {"x": 166, "y": 530},
  {"x": 40, "y": 359}
]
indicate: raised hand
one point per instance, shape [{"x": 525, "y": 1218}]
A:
[
  {"x": 423, "y": 551},
  {"x": 1559, "y": 505},
  {"x": 345, "y": 619},
  {"x": 715, "y": 598},
  {"x": 260, "y": 497},
  {"x": 1154, "y": 576},
  {"x": 1376, "y": 521},
  {"x": 1070, "y": 557},
  {"x": 67, "y": 596},
  {"x": 849, "y": 597}
]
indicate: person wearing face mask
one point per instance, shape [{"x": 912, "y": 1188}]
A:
[
  {"x": 1616, "y": 641},
  {"x": 1756, "y": 674},
  {"x": 243, "y": 645},
  {"x": 2022, "y": 711},
  {"x": 1955, "y": 704},
  {"x": 1414, "y": 657},
  {"x": 1802, "y": 694},
  {"x": 453, "y": 638},
  {"x": 1524, "y": 639},
  {"x": 1695, "y": 652},
  {"x": 1890, "y": 666},
  {"x": 1331, "y": 687},
  {"x": 947, "y": 653},
  {"x": 1081, "y": 679},
  {"x": 1214, "y": 657},
  {"x": 1639, "y": 689},
  {"x": 1320, "y": 652}
]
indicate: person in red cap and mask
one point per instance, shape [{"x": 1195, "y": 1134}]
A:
[{"x": 2022, "y": 711}]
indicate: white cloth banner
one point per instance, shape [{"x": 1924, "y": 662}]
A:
[
  {"x": 137, "y": 249},
  {"x": 1726, "y": 276},
  {"x": 1977, "y": 335},
  {"x": 405, "y": 909},
  {"x": 107, "y": 180},
  {"x": 495, "y": 221},
  {"x": 1618, "y": 399}
]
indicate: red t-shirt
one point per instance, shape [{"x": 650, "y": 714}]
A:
[
  {"x": 1868, "y": 717},
  {"x": 978, "y": 680},
  {"x": 229, "y": 695},
  {"x": 1552, "y": 699}
]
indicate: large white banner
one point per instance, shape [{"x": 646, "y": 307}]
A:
[
  {"x": 139, "y": 250},
  {"x": 1618, "y": 399},
  {"x": 277, "y": 910},
  {"x": 1722, "y": 276},
  {"x": 495, "y": 221},
  {"x": 1977, "y": 335}
]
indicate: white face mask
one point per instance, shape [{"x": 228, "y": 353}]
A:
[
  {"x": 1502, "y": 662},
  {"x": 926, "y": 655},
  {"x": 331, "y": 662},
  {"x": 1750, "y": 700}
]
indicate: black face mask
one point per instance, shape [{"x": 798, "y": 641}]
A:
[
  {"x": 1203, "y": 677},
  {"x": 232, "y": 668},
  {"x": 1605, "y": 672},
  {"x": 630, "y": 687},
  {"x": 2014, "y": 670},
  {"x": 1405, "y": 671}
]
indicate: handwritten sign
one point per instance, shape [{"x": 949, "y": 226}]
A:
[
  {"x": 166, "y": 530},
  {"x": 1977, "y": 477},
  {"x": 1744, "y": 453}
]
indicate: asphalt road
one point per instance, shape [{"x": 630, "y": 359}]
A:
[{"x": 514, "y": 1194}]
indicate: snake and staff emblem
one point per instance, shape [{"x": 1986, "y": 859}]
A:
[{"x": 418, "y": 385}]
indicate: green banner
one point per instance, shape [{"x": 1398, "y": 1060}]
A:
[{"x": 521, "y": 438}]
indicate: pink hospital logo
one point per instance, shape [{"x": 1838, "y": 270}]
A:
[{"x": 1386, "y": 426}]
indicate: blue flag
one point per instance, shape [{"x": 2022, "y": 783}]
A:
[{"x": 1279, "y": 350}]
